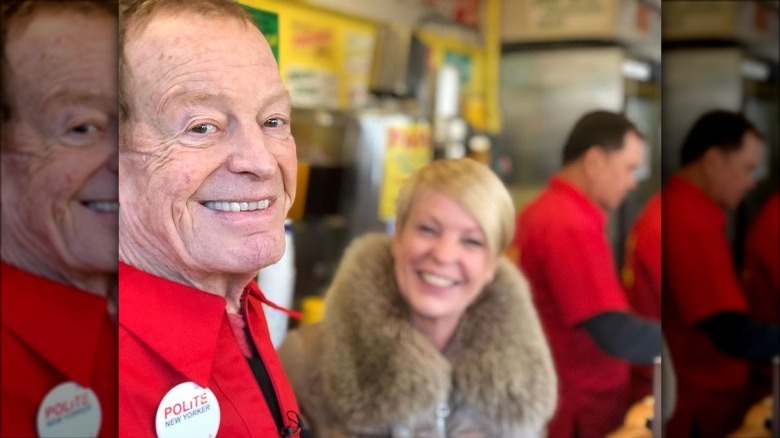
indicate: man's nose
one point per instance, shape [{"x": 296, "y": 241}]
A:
[{"x": 250, "y": 153}]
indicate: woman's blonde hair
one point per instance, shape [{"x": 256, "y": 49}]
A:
[{"x": 474, "y": 186}]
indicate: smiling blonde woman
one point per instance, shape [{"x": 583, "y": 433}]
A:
[{"x": 430, "y": 332}]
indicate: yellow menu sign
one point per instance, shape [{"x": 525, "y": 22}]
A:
[
  {"x": 324, "y": 58},
  {"x": 408, "y": 149}
]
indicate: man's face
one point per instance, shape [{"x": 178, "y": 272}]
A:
[
  {"x": 732, "y": 172},
  {"x": 614, "y": 172},
  {"x": 209, "y": 166},
  {"x": 59, "y": 170}
]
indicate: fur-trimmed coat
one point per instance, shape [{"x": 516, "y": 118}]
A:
[{"x": 365, "y": 371}]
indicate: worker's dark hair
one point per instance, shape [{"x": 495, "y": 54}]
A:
[
  {"x": 719, "y": 129},
  {"x": 603, "y": 129}
]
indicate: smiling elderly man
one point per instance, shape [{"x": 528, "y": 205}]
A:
[
  {"x": 58, "y": 163},
  {"x": 207, "y": 175}
]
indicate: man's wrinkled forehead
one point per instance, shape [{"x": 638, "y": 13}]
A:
[
  {"x": 169, "y": 46},
  {"x": 72, "y": 63},
  {"x": 161, "y": 33},
  {"x": 166, "y": 31}
]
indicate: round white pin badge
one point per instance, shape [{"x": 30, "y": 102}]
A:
[
  {"x": 69, "y": 410},
  {"x": 188, "y": 410}
]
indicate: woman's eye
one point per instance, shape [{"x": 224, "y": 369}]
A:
[
  {"x": 474, "y": 242},
  {"x": 203, "y": 128},
  {"x": 426, "y": 229}
]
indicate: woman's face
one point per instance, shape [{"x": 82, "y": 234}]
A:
[{"x": 442, "y": 260}]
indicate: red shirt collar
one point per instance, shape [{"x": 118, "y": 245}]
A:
[
  {"x": 60, "y": 323},
  {"x": 569, "y": 190},
  {"x": 696, "y": 200},
  {"x": 179, "y": 323}
]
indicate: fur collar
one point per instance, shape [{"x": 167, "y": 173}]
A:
[{"x": 378, "y": 369}]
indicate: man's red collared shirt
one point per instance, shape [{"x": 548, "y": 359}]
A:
[
  {"x": 699, "y": 281},
  {"x": 565, "y": 253},
  {"x": 170, "y": 333},
  {"x": 52, "y": 334}
]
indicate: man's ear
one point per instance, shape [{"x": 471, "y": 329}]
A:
[
  {"x": 712, "y": 154},
  {"x": 711, "y": 160},
  {"x": 593, "y": 159}
]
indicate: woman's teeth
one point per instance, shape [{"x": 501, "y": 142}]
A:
[{"x": 435, "y": 280}]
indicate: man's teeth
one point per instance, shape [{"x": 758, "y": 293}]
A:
[
  {"x": 112, "y": 206},
  {"x": 236, "y": 206},
  {"x": 437, "y": 281}
]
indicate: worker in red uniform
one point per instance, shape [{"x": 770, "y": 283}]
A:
[
  {"x": 641, "y": 276},
  {"x": 207, "y": 175},
  {"x": 706, "y": 321},
  {"x": 566, "y": 255},
  {"x": 58, "y": 367}
]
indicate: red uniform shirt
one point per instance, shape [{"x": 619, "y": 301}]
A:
[
  {"x": 170, "y": 334},
  {"x": 566, "y": 256},
  {"x": 700, "y": 281},
  {"x": 51, "y": 334},
  {"x": 642, "y": 281}
]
